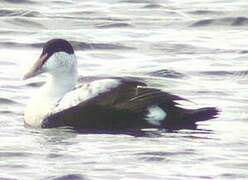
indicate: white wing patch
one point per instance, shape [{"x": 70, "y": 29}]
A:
[
  {"x": 86, "y": 92},
  {"x": 155, "y": 115}
]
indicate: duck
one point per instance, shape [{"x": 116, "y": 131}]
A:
[{"x": 111, "y": 103}]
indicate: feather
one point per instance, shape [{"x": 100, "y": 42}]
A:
[{"x": 126, "y": 106}]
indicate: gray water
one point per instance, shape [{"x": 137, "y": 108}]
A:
[{"x": 195, "y": 49}]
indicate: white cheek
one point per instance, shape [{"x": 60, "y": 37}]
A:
[{"x": 60, "y": 61}]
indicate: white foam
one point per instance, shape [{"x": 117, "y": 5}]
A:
[{"x": 155, "y": 115}]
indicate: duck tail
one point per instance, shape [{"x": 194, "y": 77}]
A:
[{"x": 202, "y": 114}]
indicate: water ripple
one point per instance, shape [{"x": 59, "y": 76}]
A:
[
  {"x": 167, "y": 73},
  {"x": 76, "y": 45},
  {"x": 14, "y": 154},
  {"x": 225, "y": 73},
  {"x": 19, "y": 1},
  {"x": 113, "y": 25},
  {"x": 69, "y": 177},
  {"x": 18, "y": 13},
  {"x": 7, "y": 101},
  {"x": 225, "y": 21},
  {"x": 206, "y": 12},
  {"x": 18, "y": 21},
  {"x": 153, "y": 6}
]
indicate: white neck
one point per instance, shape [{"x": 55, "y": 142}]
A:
[
  {"x": 61, "y": 81},
  {"x": 62, "y": 68},
  {"x": 58, "y": 85}
]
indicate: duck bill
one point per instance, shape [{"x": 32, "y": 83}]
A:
[{"x": 36, "y": 68}]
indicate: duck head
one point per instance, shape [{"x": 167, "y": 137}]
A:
[{"x": 57, "y": 58}]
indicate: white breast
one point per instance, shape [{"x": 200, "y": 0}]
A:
[
  {"x": 37, "y": 109},
  {"x": 44, "y": 105}
]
